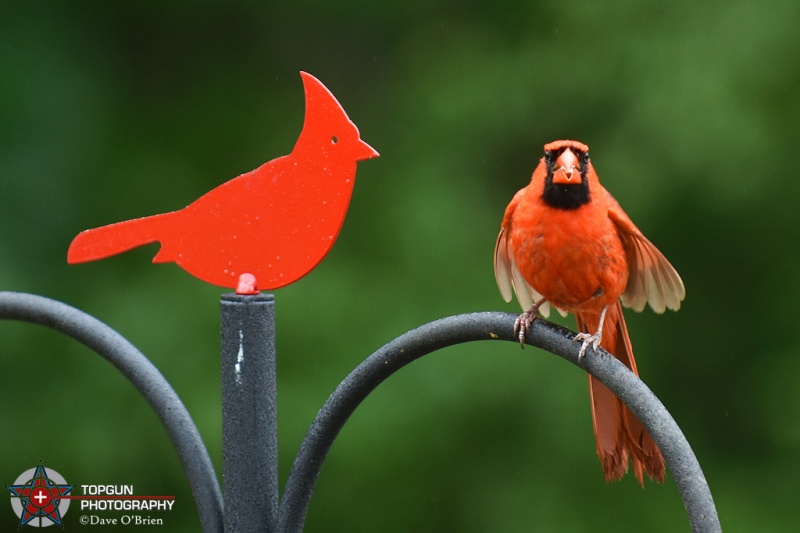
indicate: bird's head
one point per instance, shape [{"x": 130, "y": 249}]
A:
[
  {"x": 566, "y": 169},
  {"x": 327, "y": 131}
]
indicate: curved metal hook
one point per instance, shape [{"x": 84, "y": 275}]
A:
[
  {"x": 144, "y": 376},
  {"x": 458, "y": 329},
  {"x": 357, "y": 385}
]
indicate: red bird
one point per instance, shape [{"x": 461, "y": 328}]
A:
[
  {"x": 273, "y": 224},
  {"x": 566, "y": 242}
]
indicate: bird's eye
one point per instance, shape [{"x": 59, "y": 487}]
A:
[
  {"x": 585, "y": 158},
  {"x": 334, "y": 139},
  {"x": 548, "y": 156}
]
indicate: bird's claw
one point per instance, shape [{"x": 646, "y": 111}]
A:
[
  {"x": 587, "y": 339},
  {"x": 523, "y": 322}
]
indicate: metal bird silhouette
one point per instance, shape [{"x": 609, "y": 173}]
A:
[{"x": 264, "y": 229}]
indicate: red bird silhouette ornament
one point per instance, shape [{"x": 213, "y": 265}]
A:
[{"x": 264, "y": 229}]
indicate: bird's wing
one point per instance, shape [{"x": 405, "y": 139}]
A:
[
  {"x": 652, "y": 279},
  {"x": 502, "y": 266},
  {"x": 509, "y": 279}
]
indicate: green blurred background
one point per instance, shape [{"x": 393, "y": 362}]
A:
[{"x": 114, "y": 110}]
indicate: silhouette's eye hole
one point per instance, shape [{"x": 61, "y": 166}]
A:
[{"x": 334, "y": 139}]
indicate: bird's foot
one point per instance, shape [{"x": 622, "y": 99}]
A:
[
  {"x": 594, "y": 339},
  {"x": 523, "y": 322},
  {"x": 588, "y": 339}
]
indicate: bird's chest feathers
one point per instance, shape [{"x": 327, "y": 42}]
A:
[{"x": 574, "y": 258}]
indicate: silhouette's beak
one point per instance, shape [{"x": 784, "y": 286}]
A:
[{"x": 365, "y": 151}]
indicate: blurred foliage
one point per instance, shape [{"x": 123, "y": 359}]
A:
[{"x": 115, "y": 110}]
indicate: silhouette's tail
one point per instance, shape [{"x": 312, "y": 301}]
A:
[{"x": 99, "y": 243}]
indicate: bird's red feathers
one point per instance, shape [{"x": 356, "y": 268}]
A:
[{"x": 583, "y": 255}]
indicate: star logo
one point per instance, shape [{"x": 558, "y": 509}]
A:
[{"x": 38, "y": 494}]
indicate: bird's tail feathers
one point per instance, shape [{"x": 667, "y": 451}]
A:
[
  {"x": 618, "y": 432},
  {"x": 105, "y": 241}
]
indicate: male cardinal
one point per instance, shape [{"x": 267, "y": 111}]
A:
[
  {"x": 268, "y": 227},
  {"x": 566, "y": 242}
]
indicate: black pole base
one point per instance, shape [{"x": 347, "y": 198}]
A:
[{"x": 249, "y": 413}]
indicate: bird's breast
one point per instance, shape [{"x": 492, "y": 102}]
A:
[{"x": 575, "y": 259}]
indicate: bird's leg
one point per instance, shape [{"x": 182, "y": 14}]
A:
[
  {"x": 524, "y": 321},
  {"x": 588, "y": 339}
]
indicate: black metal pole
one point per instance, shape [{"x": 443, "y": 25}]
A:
[{"x": 249, "y": 413}]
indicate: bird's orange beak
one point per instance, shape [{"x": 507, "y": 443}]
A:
[
  {"x": 365, "y": 151},
  {"x": 568, "y": 170}
]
